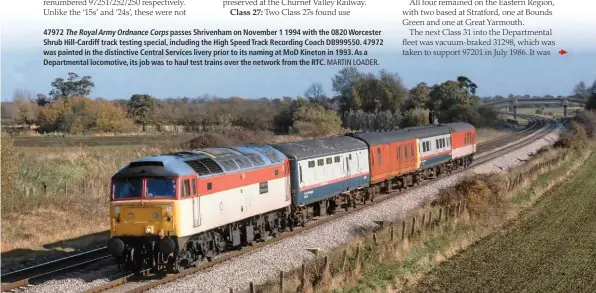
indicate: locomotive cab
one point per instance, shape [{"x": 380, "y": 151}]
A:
[{"x": 143, "y": 216}]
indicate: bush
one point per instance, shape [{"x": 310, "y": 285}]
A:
[
  {"x": 539, "y": 111},
  {"x": 229, "y": 138},
  {"x": 588, "y": 120},
  {"x": 360, "y": 120},
  {"x": 11, "y": 166},
  {"x": 479, "y": 117},
  {"x": 415, "y": 117},
  {"x": 313, "y": 120},
  {"x": 80, "y": 115},
  {"x": 485, "y": 194}
]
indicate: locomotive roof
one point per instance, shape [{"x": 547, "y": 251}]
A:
[
  {"x": 383, "y": 137},
  {"x": 206, "y": 162},
  {"x": 320, "y": 147},
  {"x": 459, "y": 126}
]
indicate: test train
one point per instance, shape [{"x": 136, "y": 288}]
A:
[{"x": 170, "y": 211}]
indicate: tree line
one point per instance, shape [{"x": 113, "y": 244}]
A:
[{"x": 360, "y": 101}]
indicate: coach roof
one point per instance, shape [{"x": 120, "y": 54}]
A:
[
  {"x": 320, "y": 147},
  {"x": 385, "y": 137}
]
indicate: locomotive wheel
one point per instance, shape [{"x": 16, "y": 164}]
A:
[
  {"x": 173, "y": 267},
  {"x": 136, "y": 261}
]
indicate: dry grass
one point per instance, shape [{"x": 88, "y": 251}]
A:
[
  {"x": 486, "y": 134},
  {"x": 395, "y": 265}
]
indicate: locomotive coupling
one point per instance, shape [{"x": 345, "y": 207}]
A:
[
  {"x": 116, "y": 246},
  {"x": 167, "y": 245}
]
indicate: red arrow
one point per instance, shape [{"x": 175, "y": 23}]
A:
[{"x": 562, "y": 52}]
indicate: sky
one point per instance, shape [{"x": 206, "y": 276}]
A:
[{"x": 21, "y": 58}]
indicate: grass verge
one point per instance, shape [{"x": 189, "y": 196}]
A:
[
  {"x": 398, "y": 256},
  {"x": 549, "y": 249}
]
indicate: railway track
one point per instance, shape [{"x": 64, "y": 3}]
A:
[
  {"x": 149, "y": 282},
  {"x": 36, "y": 274},
  {"x": 533, "y": 124}
]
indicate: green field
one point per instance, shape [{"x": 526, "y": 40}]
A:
[
  {"x": 550, "y": 249},
  {"x": 557, "y": 111}
]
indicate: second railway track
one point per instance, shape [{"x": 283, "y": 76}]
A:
[
  {"x": 535, "y": 130},
  {"x": 35, "y": 274}
]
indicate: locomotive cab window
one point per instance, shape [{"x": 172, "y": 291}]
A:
[
  {"x": 379, "y": 154},
  {"x": 162, "y": 187},
  {"x": 186, "y": 188},
  {"x": 127, "y": 188},
  {"x": 209, "y": 186}
]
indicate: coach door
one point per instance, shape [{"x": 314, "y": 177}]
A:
[
  {"x": 348, "y": 172},
  {"x": 196, "y": 205}
]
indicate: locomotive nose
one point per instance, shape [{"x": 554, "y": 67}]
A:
[
  {"x": 116, "y": 246},
  {"x": 167, "y": 245}
]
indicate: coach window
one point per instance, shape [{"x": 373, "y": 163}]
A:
[
  {"x": 300, "y": 168},
  {"x": 209, "y": 186},
  {"x": 437, "y": 143},
  {"x": 311, "y": 164},
  {"x": 350, "y": 157},
  {"x": 379, "y": 154},
  {"x": 329, "y": 161},
  {"x": 276, "y": 172},
  {"x": 428, "y": 145},
  {"x": 320, "y": 162}
]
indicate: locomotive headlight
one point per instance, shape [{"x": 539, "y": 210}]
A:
[
  {"x": 148, "y": 230},
  {"x": 117, "y": 209},
  {"x": 169, "y": 208}
]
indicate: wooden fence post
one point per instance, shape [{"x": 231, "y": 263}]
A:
[
  {"x": 252, "y": 287},
  {"x": 303, "y": 277},
  {"x": 357, "y": 255},
  {"x": 403, "y": 229},
  {"x": 392, "y": 236},
  {"x": 375, "y": 238},
  {"x": 423, "y": 221},
  {"x": 65, "y": 188},
  {"x": 440, "y": 215},
  {"x": 281, "y": 281},
  {"x": 458, "y": 206},
  {"x": 413, "y": 226},
  {"x": 345, "y": 259},
  {"x": 231, "y": 290}
]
